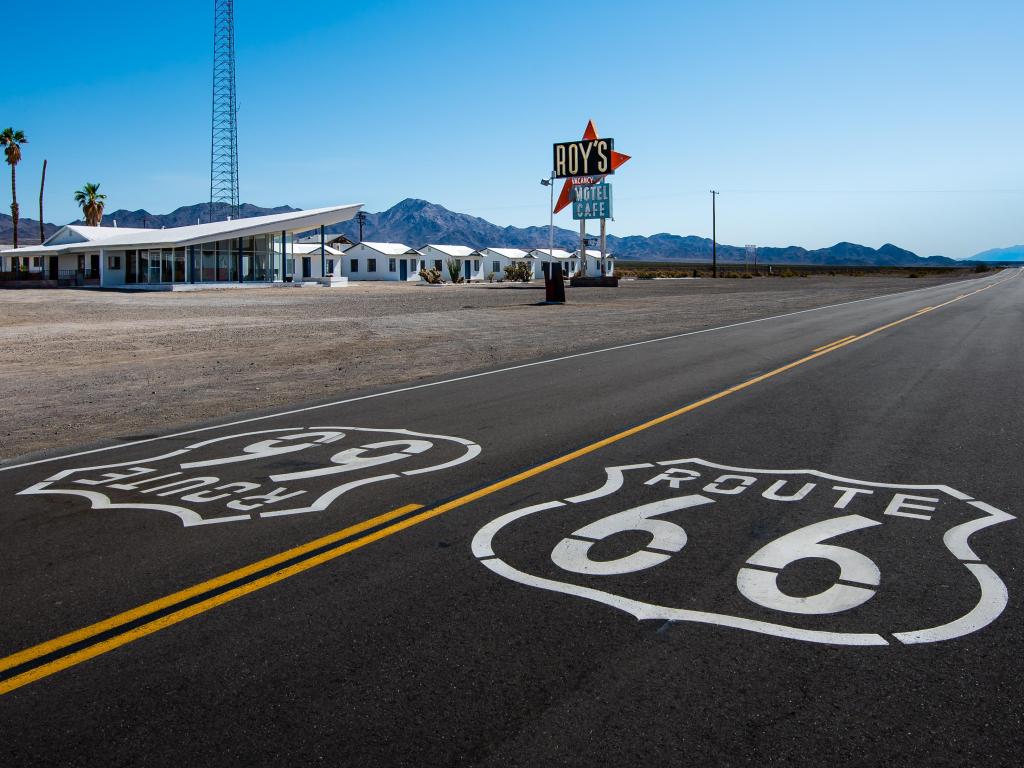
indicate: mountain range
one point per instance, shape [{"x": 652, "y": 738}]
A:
[
  {"x": 1013, "y": 253},
  {"x": 418, "y": 222}
]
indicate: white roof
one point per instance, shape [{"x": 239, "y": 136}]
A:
[
  {"x": 89, "y": 238},
  {"x": 508, "y": 253},
  {"x": 304, "y": 249},
  {"x": 455, "y": 251},
  {"x": 556, "y": 253},
  {"x": 389, "y": 249},
  {"x": 595, "y": 254}
]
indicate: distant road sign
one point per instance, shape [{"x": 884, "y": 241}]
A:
[
  {"x": 592, "y": 201},
  {"x": 591, "y": 157}
]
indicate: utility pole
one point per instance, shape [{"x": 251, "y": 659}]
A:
[
  {"x": 361, "y": 218},
  {"x": 42, "y": 186},
  {"x": 714, "y": 238}
]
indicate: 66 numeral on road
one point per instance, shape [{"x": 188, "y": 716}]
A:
[{"x": 757, "y": 580}]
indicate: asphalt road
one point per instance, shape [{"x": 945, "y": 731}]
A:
[{"x": 740, "y": 546}]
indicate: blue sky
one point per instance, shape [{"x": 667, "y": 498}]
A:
[{"x": 819, "y": 121}]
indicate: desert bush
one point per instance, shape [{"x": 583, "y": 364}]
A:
[
  {"x": 979, "y": 268},
  {"x": 747, "y": 276},
  {"x": 519, "y": 272},
  {"x": 453, "y": 271},
  {"x": 490, "y": 277},
  {"x": 432, "y": 276}
]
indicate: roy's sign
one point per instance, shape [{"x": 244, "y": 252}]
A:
[
  {"x": 592, "y": 202},
  {"x": 589, "y": 157}
]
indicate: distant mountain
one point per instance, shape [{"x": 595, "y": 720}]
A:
[
  {"x": 1013, "y": 253},
  {"x": 418, "y": 222},
  {"x": 181, "y": 217},
  {"x": 28, "y": 230}
]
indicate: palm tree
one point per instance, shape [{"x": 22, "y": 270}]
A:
[
  {"x": 11, "y": 140},
  {"x": 90, "y": 201}
]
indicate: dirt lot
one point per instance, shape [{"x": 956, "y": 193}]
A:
[{"x": 80, "y": 366}]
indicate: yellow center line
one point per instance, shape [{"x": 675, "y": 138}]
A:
[
  {"x": 165, "y": 602},
  {"x": 77, "y": 657},
  {"x": 831, "y": 344}
]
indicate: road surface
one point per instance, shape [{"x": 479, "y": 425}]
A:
[{"x": 793, "y": 541}]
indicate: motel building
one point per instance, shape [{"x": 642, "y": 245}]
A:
[
  {"x": 469, "y": 261},
  {"x": 496, "y": 259},
  {"x": 380, "y": 261},
  {"x": 594, "y": 263},
  {"x": 250, "y": 252},
  {"x": 547, "y": 257}
]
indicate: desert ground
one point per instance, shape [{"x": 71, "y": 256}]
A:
[{"x": 81, "y": 366}]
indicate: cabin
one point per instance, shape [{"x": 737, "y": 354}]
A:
[
  {"x": 381, "y": 261},
  {"x": 470, "y": 265}
]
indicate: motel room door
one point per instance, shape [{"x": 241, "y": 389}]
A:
[
  {"x": 94, "y": 264},
  {"x": 468, "y": 269},
  {"x": 307, "y": 266},
  {"x": 403, "y": 269},
  {"x": 54, "y": 268}
]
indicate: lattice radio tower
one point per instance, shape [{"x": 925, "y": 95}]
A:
[{"x": 224, "y": 141}]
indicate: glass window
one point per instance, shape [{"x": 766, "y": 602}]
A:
[
  {"x": 476, "y": 265},
  {"x": 330, "y": 266},
  {"x": 392, "y": 265},
  {"x": 495, "y": 266},
  {"x": 353, "y": 265},
  {"x": 437, "y": 264},
  {"x": 371, "y": 265},
  {"x": 208, "y": 270},
  {"x": 143, "y": 266},
  {"x": 167, "y": 266},
  {"x": 412, "y": 265},
  {"x": 179, "y": 265}
]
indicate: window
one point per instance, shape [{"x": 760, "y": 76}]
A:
[
  {"x": 353, "y": 265},
  {"x": 130, "y": 273},
  {"x": 437, "y": 264},
  {"x": 35, "y": 261},
  {"x": 113, "y": 262},
  {"x": 423, "y": 264},
  {"x": 412, "y": 265},
  {"x": 179, "y": 265},
  {"x": 371, "y": 265},
  {"x": 392, "y": 265},
  {"x": 476, "y": 265},
  {"x": 495, "y": 266},
  {"x": 330, "y": 266}
]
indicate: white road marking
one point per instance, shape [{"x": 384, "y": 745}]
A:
[
  {"x": 859, "y": 576},
  {"x": 468, "y": 377}
]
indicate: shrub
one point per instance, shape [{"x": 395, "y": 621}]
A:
[
  {"x": 912, "y": 274},
  {"x": 432, "y": 276},
  {"x": 978, "y": 268},
  {"x": 747, "y": 276},
  {"x": 490, "y": 277},
  {"x": 519, "y": 271},
  {"x": 453, "y": 270}
]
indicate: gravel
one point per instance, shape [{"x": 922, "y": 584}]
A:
[{"x": 81, "y": 366}]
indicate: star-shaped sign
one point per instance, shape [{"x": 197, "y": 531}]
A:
[{"x": 590, "y": 134}]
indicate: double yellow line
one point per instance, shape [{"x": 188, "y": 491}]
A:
[{"x": 68, "y": 650}]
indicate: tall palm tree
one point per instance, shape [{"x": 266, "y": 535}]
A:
[
  {"x": 11, "y": 140},
  {"x": 91, "y": 202}
]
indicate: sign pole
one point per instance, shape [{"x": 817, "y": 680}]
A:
[
  {"x": 603, "y": 250},
  {"x": 583, "y": 248}
]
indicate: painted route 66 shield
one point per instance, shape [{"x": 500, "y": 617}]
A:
[
  {"x": 792, "y": 553},
  {"x": 261, "y": 474}
]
